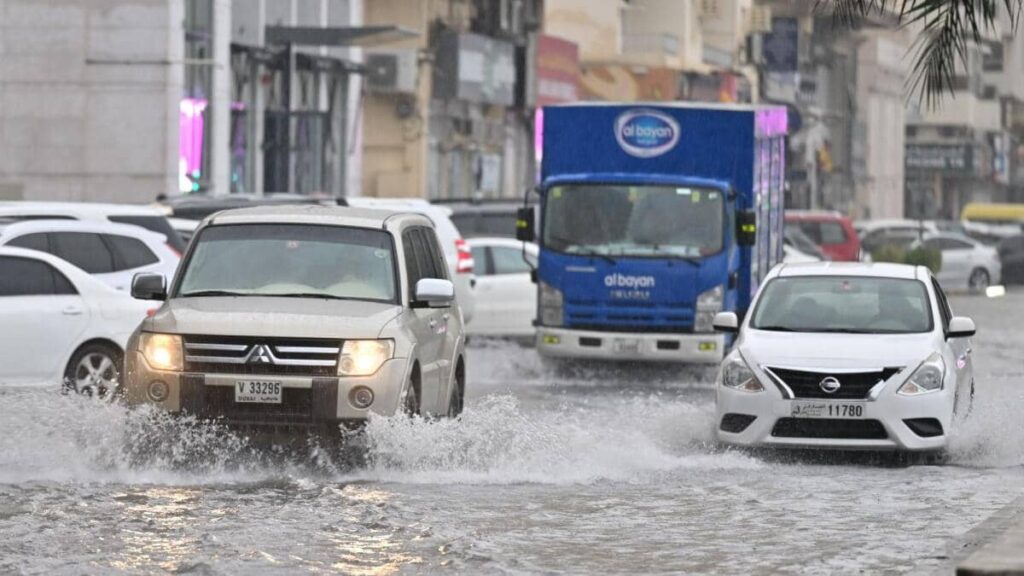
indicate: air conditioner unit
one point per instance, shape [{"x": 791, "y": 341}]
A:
[
  {"x": 709, "y": 9},
  {"x": 391, "y": 71},
  {"x": 760, "y": 19}
]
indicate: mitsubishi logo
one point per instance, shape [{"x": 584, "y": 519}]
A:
[
  {"x": 260, "y": 354},
  {"x": 829, "y": 385}
]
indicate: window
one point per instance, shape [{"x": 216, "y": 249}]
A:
[
  {"x": 36, "y": 241},
  {"x": 844, "y": 304},
  {"x": 508, "y": 261},
  {"x": 27, "y": 277},
  {"x": 157, "y": 224},
  {"x": 85, "y": 250},
  {"x": 482, "y": 264},
  {"x": 129, "y": 252},
  {"x": 944, "y": 312},
  {"x": 435, "y": 253},
  {"x": 412, "y": 266},
  {"x": 291, "y": 261},
  {"x": 832, "y": 233}
]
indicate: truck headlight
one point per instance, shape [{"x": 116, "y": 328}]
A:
[
  {"x": 709, "y": 303},
  {"x": 162, "y": 351},
  {"x": 551, "y": 310},
  {"x": 364, "y": 357},
  {"x": 927, "y": 378},
  {"x": 738, "y": 376}
]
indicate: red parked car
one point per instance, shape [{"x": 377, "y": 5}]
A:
[{"x": 830, "y": 230}]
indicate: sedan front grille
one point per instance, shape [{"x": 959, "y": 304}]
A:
[
  {"x": 829, "y": 428},
  {"x": 806, "y": 384},
  {"x": 245, "y": 355}
]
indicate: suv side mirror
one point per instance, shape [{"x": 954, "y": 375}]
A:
[
  {"x": 746, "y": 227},
  {"x": 434, "y": 293},
  {"x": 524, "y": 224},
  {"x": 726, "y": 322},
  {"x": 149, "y": 286},
  {"x": 961, "y": 327}
]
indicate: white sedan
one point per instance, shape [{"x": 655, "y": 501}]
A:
[
  {"x": 506, "y": 297},
  {"x": 113, "y": 253},
  {"x": 59, "y": 324},
  {"x": 848, "y": 356},
  {"x": 966, "y": 263}
]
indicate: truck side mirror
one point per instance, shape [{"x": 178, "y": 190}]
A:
[
  {"x": 746, "y": 228},
  {"x": 524, "y": 224}
]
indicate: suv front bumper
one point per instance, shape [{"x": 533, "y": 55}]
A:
[
  {"x": 625, "y": 346},
  {"x": 306, "y": 400}
]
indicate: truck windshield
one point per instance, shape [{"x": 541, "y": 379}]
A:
[
  {"x": 300, "y": 261},
  {"x": 626, "y": 220},
  {"x": 845, "y": 304}
]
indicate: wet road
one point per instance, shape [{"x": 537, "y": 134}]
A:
[{"x": 611, "y": 474}]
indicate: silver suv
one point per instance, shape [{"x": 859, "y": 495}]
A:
[{"x": 307, "y": 316}]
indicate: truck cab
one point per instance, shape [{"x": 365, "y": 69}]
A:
[{"x": 653, "y": 218}]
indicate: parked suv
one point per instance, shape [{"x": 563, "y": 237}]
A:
[
  {"x": 832, "y": 231},
  {"x": 303, "y": 316}
]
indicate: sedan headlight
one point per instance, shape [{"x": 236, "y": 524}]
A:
[
  {"x": 709, "y": 303},
  {"x": 927, "y": 378},
  {"x": 738, "y": 376},
  {"x": 551, "y": 311},
  {"x": 364, "y": 357},
  {"x": 162, "y": 351}
]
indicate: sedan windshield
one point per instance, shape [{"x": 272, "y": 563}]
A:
[
  {"x": 850, "y": 304},
  {"x": 302, "y": 261},
  {"x": 634, "y": 220}
]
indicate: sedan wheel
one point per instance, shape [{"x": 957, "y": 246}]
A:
[
  {"x": 979, "y": 280},
  {"x": 94, "y": 370}
]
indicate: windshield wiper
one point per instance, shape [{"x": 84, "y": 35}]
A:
[
  {"x": 841, "y": 331},
  {"x": 659, "y": 250},
  {"x": 583, "y": 251},
  {"x": 200, "y": 293},
  {"x": 775, "y": 328},
  {"x": 307, "y": 295}
]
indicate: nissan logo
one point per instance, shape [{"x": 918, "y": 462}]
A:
[{"x": 829, "y": 385}]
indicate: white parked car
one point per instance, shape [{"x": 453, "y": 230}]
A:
[
  {"x": 184, "y": 227},
  {"x": 850, "y": 356},
  {"x": 148, "y": 217},
  {"x": 967, "y": 264},
  {"x": 113, "y": 253},
  {"x": 790, "y": 255},
  {"x": 304, "y": 317},
  {"x": 456, "y": 250},
  {"x": 59, "y": 324},
  {"x": 506, "y": 297}
]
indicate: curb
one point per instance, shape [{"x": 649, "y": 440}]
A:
[{"x": 997, "y": 544}]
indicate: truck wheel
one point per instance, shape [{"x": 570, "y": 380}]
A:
[{"x": 94, "y": 370}]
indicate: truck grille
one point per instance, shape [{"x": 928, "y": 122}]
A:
[
  {"x": 853, "y": 386},
  {"x": 245, "y": 355}
]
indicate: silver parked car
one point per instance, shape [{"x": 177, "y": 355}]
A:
[{"x": 307, "y": 316}]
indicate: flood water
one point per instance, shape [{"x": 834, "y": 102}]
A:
[{"x": 601, "y": 473}]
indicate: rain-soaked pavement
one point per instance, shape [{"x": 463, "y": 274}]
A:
[{"x": 610, "y": 474}]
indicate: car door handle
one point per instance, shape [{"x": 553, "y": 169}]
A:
[
  {"x": 71, "y": 311},
  {"x": 432, "y": 323}
]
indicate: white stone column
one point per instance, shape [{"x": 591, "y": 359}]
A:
[{"x": 220, "y": 101}]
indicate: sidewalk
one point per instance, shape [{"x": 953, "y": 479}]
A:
[{"x": 998, "y": 544}]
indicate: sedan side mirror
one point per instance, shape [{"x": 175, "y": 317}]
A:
[
  {"x": 434, "y": 293},
  {"x": 726, "y": 322},
  {"x": 961, "y": 327},
  {"x": 149, "y": 286}
]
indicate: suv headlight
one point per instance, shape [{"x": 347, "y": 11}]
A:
[
  {"x": 709, "y": 303},
  {"x": 162, "y": 351},
  {"x": 738, "y": 376},
  {"x": 551, "y": 310},
  {"x": 364, "y": 357},
  {"x": 927, "y": 378}
]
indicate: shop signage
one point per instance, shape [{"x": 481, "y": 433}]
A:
[
  {"x": 558, "y": 71},
  {"x": 475, "y": 68},
  {"x": 941, "y": 157}
]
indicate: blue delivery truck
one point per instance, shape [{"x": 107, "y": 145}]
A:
[{"x": 652, "y": 219}]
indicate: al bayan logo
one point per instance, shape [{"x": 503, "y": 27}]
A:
[{"x": 646, "y": 133}]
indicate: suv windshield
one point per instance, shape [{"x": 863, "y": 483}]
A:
[
  {"x": 291, "y": 260},
  {"x": 628, "y": 220},
  {"x": 861, "y": 305}
]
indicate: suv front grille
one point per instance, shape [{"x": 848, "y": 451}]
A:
[
  {"x": 251, "y": 355},
  {"x": 853, "y": 386},
  {"x": 299, "y": 406}
]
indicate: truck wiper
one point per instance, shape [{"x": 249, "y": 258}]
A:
[
  {"x": 200, "y": 293},
  {"x": 584, "y": 251},
  {"x": 662, "y": 252}
]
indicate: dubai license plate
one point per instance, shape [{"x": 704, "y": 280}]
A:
[
  {"x": 257, "y": 392},
  {"x": 842, "y": 410},
  {"x": 627, "y": 345}
]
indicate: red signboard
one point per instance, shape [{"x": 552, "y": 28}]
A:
[{"x": 558, "y": 71}]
